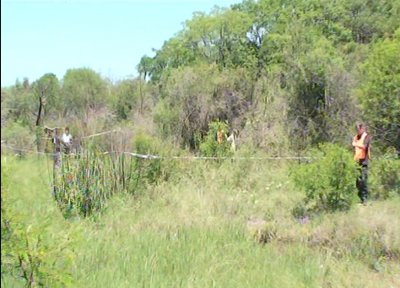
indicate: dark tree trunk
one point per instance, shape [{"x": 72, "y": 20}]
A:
[{"x": 39, "y": 116}]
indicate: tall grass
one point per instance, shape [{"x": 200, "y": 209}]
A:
[
  {"x": 37, "y": 250},
  {"x": 193, "y": 231},
  {"x": 85, "y": 182},
  {"x": 196, "y": 257}
]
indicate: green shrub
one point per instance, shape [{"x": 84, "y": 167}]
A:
[
  {"x": 329, "y": 179},
  {"x": 210, "y": 147},
  {"x": 154, "y": 170},
  {"x": 385, "y": 176},
  {"x": 166, "y": 119},
  {"x": 148, "y": 170},
  {"x": 17, "y": 135}
]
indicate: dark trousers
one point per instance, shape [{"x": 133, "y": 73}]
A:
[
  {"x": 67, "y": 148},
  {"x": 362, "y": 182}
]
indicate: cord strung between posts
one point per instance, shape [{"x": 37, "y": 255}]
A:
[
  {"x": 100, "y": 133},
  {"x": 154, "y": 157},
  {"x": 149, "y": 156}
]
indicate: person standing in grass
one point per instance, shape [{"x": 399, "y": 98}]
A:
[
  {"x": 220, "y": 136},
  {"x": 361, "y": 144},
  {"x": 67, "y": 140},
  {"x": 233, "y": 139}
]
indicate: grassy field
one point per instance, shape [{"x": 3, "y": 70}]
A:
[{"x": 210, "y": 225}]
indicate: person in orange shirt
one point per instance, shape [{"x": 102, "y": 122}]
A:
[
  {"x": 361, "y": 144},
  {"x": 220, "y": 136}
]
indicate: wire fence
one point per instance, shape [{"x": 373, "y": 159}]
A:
[
  {"x": 150, "y": 156},
  {"x": 82, "y": 184}
]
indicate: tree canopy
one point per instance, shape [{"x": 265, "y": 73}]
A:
[{"x": 325, "y": 64}]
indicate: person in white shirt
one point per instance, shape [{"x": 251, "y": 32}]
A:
[
  {"x": 67, "y": 140},
  {"x": 233, "y": 139}
]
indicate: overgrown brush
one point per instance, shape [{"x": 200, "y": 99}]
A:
[
  {"x": 85, "y": 182},
  {"x": 385, "y": 176},
  {"x": 328, "y": 180},
  {"x": 369, "y": 234},
  {"x": 191, "y": 232}
]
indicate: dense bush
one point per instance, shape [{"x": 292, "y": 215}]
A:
[
  {"x": 385, "y": 176},
  {"x": 150, "y": 170},
  {"x": 379, "y": 91},
  {"x": 194, "y": 96},
  {"x": 329, "y": 179},
  {"x": 210, "y": 147}
]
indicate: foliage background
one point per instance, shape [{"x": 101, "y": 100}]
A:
[{"x": 290, "y": 76}]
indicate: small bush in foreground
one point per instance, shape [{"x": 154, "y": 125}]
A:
[{"x": 329, "y": 179}]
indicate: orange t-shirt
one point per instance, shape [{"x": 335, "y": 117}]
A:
[{"x": 220, "y": 137}]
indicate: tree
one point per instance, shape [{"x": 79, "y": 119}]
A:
[
  {"x": 145, "y": 67},
  {"x": 369, "y": 20},
  {"x": 127, "y": 93},
  {"x": 195, "y": 96},
  {"x": 174, "y": 53},
  {"x": 220, "y": 37},
  {"x": 21, "y": 104},
  {"x": 47, "y": 90},
  {"x": 83, "y": 90},
  {"x": 379, "y": 92}
]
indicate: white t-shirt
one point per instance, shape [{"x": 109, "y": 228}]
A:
[
  {"x": 232, "y": 139},
  {"x": 66, "y": 138}
]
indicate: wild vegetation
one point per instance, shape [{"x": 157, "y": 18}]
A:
[
  {"x": 208, "y": 225},
  {"x": 292, "y": 77}
]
